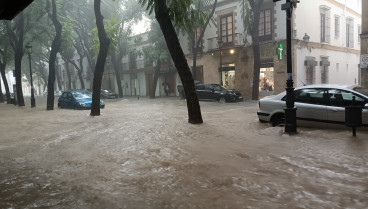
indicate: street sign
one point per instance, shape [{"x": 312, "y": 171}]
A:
[{"x": 364, "y": 61}]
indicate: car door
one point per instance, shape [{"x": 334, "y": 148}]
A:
[
  {"x": 63, "y": 100},
  {"x": 338, "y": 100},
  {"x": 210, "y": 92},
  {"x": 311, "y": 107},
  {"x": 200, "y": 92},
  {"x": 69, "y": 100}
]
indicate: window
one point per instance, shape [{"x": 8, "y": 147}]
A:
[
  {"x": 310, "y": 75},
  {"x": 325, "y": 25},
  {"x": 341, "y": 98},
  {"x": 337, "y": 26},
  {"x": 264, "y": 26},
  {"x": 359, "y": 32},
  {"x": 197, "y": 33},
  {"x": 310, "y": 96},
  {"x": 324, "y": 70},
  {"x": 226, "y": 28},
  {"x": 349, "y": 33},
  {"x": 132, "y": 61},
  {"x": 337, "y": 67}
]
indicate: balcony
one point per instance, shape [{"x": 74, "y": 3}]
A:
[{"x": 238, "y": 40}]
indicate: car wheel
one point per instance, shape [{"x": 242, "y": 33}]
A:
[
  {"x": 278, "y": 119},
  {"x": 222, "y": 100},
  {"x": 75, "y": 107},
  {"x": 59, "y": 106}
]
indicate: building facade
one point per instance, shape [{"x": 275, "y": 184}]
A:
[
  {"x": 364, "y": 42},
  {"x": 326, "y": 46}
]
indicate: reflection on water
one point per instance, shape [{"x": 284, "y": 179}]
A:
[{"x": 144, "y": 154}]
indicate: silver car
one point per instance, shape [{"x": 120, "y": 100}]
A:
[{"x": 320, "y": 105}]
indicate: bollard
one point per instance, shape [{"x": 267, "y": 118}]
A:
[{"x": 353, "y": 116}]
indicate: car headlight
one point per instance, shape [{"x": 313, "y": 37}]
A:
[{"x": 82, "y": 104}]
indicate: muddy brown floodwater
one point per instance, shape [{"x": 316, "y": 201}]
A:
[{"x": 144, "y": 154}]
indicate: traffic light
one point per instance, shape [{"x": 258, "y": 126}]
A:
[{"x": 279, "y": 51}]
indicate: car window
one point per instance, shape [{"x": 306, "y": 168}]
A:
[
  {"x": 217, "y": 87},
  {"x": 208, "y": 87},
  {"x": 342, "y": 98},
  {"x": 82, "y": 95},
  {"x": 310, "y": 96},
  {"x": 200, "y": 87},
  {"x": 65, "y": 95}
]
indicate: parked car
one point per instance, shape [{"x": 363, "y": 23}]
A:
[
  {"x": 317, "y": 105},
  {"x": 108, "y": 94},
  {"x": 214, "y": 92},
  {"x": 57, "y": 93},
  {"x": 77, "y": 99}
]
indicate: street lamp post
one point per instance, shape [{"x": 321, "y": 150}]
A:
[
  {"x": 220, "y": 47},
  {"x": 29, "y": 50},
  {"x": 290, "y": 111}
]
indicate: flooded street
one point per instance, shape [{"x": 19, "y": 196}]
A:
[{"x": 144, "y": 154}]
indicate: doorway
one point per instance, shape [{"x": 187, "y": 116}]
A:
[{"x": 266, "y": 80}]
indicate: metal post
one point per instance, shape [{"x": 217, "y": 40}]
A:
[
  {"x": 33, "y": 102},
  {"x": 290, "y": 111}
]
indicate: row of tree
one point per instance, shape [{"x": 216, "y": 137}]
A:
[{"x": 78, "y": 28}]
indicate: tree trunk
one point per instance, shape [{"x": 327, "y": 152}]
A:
[
  {"x": 18, "y": 73},
  {"x": 54, "y": 50},
  {"x": 194, "y": 70},
  {"x": 1, "y": 94},
  {"x": 177, "y": 54},
  {"x": 196, "y": 44},
  {"x": 256, "y": 65},
  {"x": 79, "y": 71},
  {"x": 101, "y": 59},
  {"x": 155, "y": 78},
  {"x": 5, "y": 81},
  {"x": 115, "y": 63},
  {"x": 256, "y": 55},
  {"x": 17, "y": 38},
  {"x": 58, "y": 75},
  {"x": 68, "y": 73},
  {"x": 81, "y": 79}
]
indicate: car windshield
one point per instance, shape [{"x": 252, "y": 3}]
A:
[
  {"x": 82, "y": 95},
  {"x": 218, "y": 87},
  {"x": 361, "y": 90}
]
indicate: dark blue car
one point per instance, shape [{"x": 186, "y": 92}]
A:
[{"x": 77, "y": 99}]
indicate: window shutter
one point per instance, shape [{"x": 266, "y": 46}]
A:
[{"x": 328, "y": 27}]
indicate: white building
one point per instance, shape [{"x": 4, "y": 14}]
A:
[{"x": 331, "y": 55}]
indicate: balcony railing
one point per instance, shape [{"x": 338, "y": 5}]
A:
[{"x": 238, "y": 40}]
